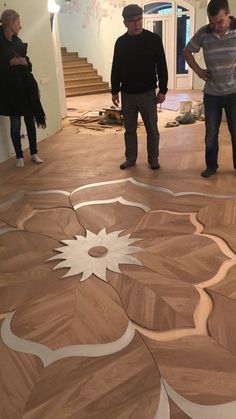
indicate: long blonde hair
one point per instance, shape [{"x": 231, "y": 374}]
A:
[{"x": 8, "y": 16}]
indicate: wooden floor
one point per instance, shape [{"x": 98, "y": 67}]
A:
[{"x": 118, "y": 288}]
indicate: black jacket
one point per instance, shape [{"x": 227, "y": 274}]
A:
[
  {"x": 19, "y": 94},
  {"x": 138, "y": 64}
]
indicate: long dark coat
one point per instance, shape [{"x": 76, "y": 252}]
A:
[{"x": 19, "y": 94}]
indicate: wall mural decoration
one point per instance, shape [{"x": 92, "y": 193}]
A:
[
  {"x": 92, "y": 9},
  {"x": 74, "y": 6},
  {"x": 95, "y": 8}
]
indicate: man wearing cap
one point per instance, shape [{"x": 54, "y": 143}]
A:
[{"x": 138, "y": 61}]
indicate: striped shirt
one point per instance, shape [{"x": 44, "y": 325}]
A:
[{"x": 220, "y": 58}]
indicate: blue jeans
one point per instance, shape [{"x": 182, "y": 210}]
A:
[
  {"x": 146, "y": 104},
  {"x": 214, "y": 106},
  {"x": 15, "y": 127}
]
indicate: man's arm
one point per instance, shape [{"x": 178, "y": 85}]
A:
[
  {"x": 115, "y": 76},
  {"x": 162, "y": 73},
  {"x": 202, "y": 73}
]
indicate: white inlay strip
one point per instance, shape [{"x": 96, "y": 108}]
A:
[
  {"x": 49, "y": 191},
  {"x": 163, "y": 411},
  {"x": 48, "y": 356},
  {"x": 196, "y": 223},
  {"x": 201, "y": 315},
  {"x": 150, "y": 187},
  {"x": 222, "y": 245},
  {"x": 109, "y": 201},
  {"x": 3, "y": 315},
  {"x": 199, "y": 411},
  {"x": 172, "y": 212},
  {"x": 18, "y": 195},
  {"x": 220, "y": 275},
  {"x": 26, "y": 218},
  {"x": 12, "y": 200},
  {"x": 7, "y": 229}
]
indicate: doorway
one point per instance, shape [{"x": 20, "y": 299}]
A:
[{"x": 173, "y": 22}]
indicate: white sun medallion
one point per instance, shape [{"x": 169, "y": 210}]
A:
[{"x": 96, "y": 253}]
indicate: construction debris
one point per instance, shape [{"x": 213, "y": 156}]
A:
[
  {"x": 98, "y": 120},
  {"x": 187, "y": 118},
  {"x": 172, "y": 124},
  {"x": 111, "y": 116}
]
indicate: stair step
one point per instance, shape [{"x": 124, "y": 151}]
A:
[
  {"x": 80, "y": 77},
  {"x": 74, "y": 57},
  {"x": 77, "y": 75},
  {"x": 69, "y": 54},
  {"x": 75, "y": 63},
  {"x": 88, "y": 92},
  {"x": 82, "y": 81},
  {"x": 75, "y": 90},
  {"x": 82, "y": 66}
]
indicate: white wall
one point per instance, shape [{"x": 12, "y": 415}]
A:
[
  {"x": 232, "y": 5},
  {"x": 36, "y": 31},
  {"x": 59, "y": 67},
  {"x": 91, "y": 27}
]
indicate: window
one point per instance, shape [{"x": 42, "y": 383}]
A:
[{"x": 158, "y": 8}]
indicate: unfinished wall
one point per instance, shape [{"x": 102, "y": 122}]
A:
[{"x": 36, "y": 31}]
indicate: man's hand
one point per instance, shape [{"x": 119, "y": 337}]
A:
[
  {"x": 115, "y": 99},
  {"x": 203, "y": 74},
  {"x": 18, "y": 61},
  {"x": 160, "y": 97}
]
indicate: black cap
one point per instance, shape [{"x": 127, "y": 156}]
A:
[{"x": 132, "y": 10}]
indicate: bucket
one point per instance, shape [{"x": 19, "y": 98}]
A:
[
  {"x": 202, "y": 109},
  {"x": 197, "y": 108},
  {"x": 185, "y": 107}
]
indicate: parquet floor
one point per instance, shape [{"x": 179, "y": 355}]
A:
[{"x": 118, "y": 288}]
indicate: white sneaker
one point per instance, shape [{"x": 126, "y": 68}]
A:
[
  {"x": 35, "y": 158},
  {"x": 20, "y": 162}
]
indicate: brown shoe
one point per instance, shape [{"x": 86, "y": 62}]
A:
[{"x": 127, "y": 164}]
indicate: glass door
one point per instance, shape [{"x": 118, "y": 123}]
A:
[{"x": 173, "y": 22}]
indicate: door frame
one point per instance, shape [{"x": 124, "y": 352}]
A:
[{"x": 176, "y": 81}]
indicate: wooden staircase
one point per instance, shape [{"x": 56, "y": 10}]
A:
[{"x": 80, "y": 77}]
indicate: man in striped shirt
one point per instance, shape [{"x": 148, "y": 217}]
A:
[{"x": 218, "y": 42}]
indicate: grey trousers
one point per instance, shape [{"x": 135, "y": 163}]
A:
[{"x": 146, "y": 104}]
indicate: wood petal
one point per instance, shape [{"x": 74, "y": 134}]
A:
[
  {"x": 193, "y": 259},
  {"x": 62, "y": 316},
  {"x": 23, "y": 269},
  {"x": 59, "y": 223},
  {"x": 220, "y": 220},
  {"x": 222, "y": 320},
  {"x": 123, "y": 385},
  {"x": 19, "y": 373},
  {"x": 110, "y": 216},
  {"x": 163, "y": 224},
  {"x": 197, "y": 368},
  {"x": 154, "y": 300}
]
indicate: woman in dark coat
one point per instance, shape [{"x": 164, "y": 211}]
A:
[{"x": 19, "y": 94}]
